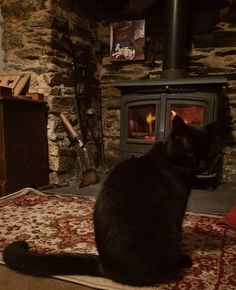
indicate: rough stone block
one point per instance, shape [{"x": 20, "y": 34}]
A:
[{"x": 61, "y": 163}]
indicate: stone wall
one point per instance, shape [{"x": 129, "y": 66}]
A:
[
  {"x": 211, "y": 52},
  {"x": 54, "y": 42},
  {"x": 67, "y": 54}
]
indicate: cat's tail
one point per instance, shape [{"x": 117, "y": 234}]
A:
[{"x": 18, "y": 257}]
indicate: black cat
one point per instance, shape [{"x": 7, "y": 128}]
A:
[{"x": 137, "y": 217}]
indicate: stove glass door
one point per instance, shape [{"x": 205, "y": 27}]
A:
[
  {"x": 142, "y": 122},
  {"x": 192, "y": 114}
]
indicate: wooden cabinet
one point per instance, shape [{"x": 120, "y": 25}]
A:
[{"x": 23, "y": 144}]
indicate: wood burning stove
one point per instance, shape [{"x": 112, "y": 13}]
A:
[{"x": 147, "y": 108}]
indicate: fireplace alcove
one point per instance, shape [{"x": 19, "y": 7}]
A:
[{"x": 147, "y": 108}]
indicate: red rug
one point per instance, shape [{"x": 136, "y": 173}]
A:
[{"x": 52, "y": 223}]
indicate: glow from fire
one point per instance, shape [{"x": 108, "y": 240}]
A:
[
  {"x": 149, "y": 119},
  {"x": 173, "y": 114}
]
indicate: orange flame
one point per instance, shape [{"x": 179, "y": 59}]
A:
[
  {"x": 173, "y": 114},
  {"x": 149, "y": 119}
]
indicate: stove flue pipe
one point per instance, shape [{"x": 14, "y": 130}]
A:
[{"x": 174, "y": 39}]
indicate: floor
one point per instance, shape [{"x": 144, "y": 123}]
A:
[
  {"x": 10, "y": 280},
  {"x": 217, "y": 201}
]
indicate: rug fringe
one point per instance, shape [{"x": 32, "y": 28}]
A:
[{"x": 21, "y": 192}]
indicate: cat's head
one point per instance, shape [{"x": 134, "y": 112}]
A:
[{"x": 196, "y": 147}]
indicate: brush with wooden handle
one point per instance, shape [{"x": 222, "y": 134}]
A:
[
  {"x": 71, "y": 130},
  {"x": 89, "y": 175}
]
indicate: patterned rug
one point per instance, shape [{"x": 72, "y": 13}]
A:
[{"x": 52, "y": 223}]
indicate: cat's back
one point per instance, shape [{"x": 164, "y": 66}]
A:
[{"x": 139, "y": 176}]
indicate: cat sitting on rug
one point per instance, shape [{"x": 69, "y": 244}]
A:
[{"x": 137, "y": 217}]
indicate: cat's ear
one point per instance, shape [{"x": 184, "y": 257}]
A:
[{"x": 178, "y": 127}]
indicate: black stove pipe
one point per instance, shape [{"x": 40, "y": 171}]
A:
[{"x": 174, "y": 39}]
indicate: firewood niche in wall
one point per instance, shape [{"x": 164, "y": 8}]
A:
[{"x": 86, "y": 98}]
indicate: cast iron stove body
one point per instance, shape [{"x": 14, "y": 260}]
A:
[{"x": 148, "y": 106}]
